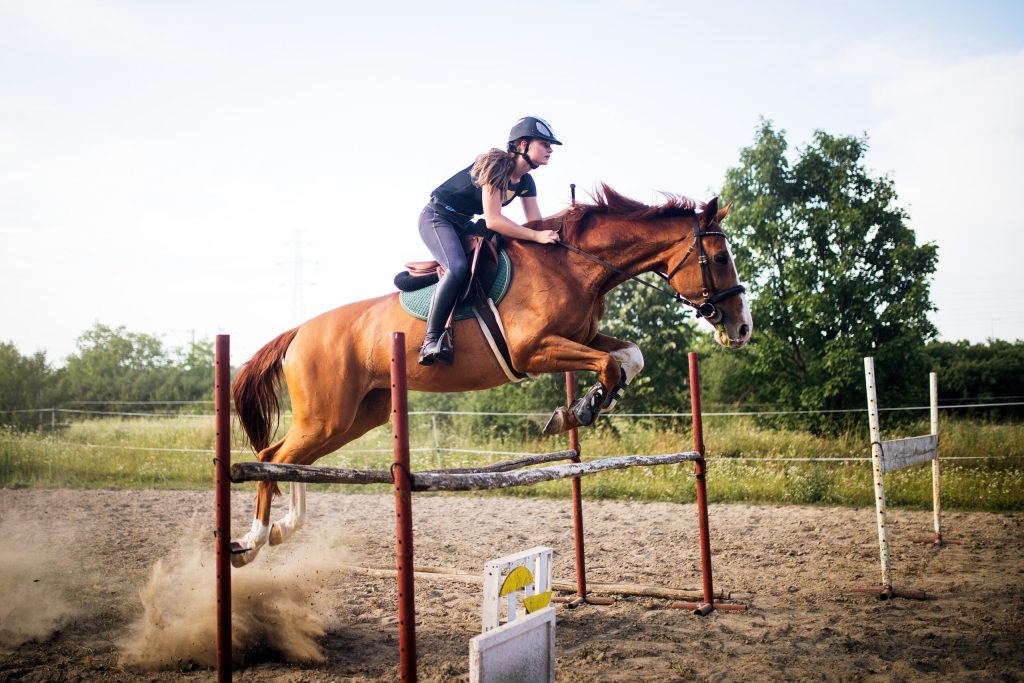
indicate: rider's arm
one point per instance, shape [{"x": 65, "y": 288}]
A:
[
  {"x": 530, "y": 209},
  {"x": 500, "y": 224}
]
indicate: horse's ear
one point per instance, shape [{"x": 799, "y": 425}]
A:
[
  {"x": 710, "y": 211},
  {"x": 722, "y": 213}
]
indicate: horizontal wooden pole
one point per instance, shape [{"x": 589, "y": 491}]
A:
[
  {"x": 308, "y": 474},
  {"x": 439, "y": 481},
  {"x": 445, "y": 480},
  {"x": 508, "y": 464}
]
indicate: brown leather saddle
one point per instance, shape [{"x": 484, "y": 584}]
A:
[
  {"x": 483, "y": 268},
  {"x": 483, "y": 271}
]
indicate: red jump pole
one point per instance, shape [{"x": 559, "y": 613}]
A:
[
  {"x": 222, "y": 478},
  {"x": 699, "y": 471},
  {"x": 577, "y": 498},
  {"x": 577, "y": 515},
  {"x": 700, "y": 468},
  {"x": 403, "y": 510}
]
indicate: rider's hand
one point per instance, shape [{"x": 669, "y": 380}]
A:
[{"x": 546, "y": 236}]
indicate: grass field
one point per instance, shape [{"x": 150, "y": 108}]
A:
[{"x": 744, "y": 465}]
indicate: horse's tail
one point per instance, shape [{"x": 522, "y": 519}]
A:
[{"x": 255, "y": 391}]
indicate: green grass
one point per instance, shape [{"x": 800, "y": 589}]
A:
[{"x": 124, "y": 453}]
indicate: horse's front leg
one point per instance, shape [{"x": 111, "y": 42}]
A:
[
  {"x": 558, "y": 354},
  {"x": 630, "y": 360}
]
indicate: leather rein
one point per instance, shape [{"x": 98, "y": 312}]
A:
[{"x": 705, "y": 309}]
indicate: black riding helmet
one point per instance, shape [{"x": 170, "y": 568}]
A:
[{"x": 530, "y": 127}]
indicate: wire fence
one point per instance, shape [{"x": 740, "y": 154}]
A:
[
  {"x": 55, "y": 425},
  {"x": 441, "y": 449},
  {"x": 486, "y": 413}
]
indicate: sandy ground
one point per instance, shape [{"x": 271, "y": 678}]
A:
[{"x": 116, "y": 585}]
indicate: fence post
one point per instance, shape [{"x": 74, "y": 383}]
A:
[
  {"x": 876, "y": 468},
  {"x": 437, "y": 440},
  {"x": 700, "y": 474},
  {"x": 403, "y": 510},
  {"x": 222, "y": 477},
  {"x": 933, "y": 384},
  {"x": 577, "y": 497}
]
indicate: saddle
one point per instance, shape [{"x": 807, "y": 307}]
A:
[
  {"x": 483, "y": 268},
  {"x": 486, "y": 285}
]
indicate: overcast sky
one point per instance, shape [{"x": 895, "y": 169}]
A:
[{"x": 165, "y": 165}]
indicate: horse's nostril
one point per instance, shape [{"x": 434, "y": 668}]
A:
[{"x": 744, "y": 331}]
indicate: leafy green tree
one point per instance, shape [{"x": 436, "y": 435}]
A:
[
  {"x": 834, "y": 272},
  {"x": 25, "y": 383},
  {"x": 969, "y": 372},
  {"x": 113, "y": 364}
]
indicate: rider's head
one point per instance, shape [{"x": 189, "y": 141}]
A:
[{"x": 532, "y": 135}]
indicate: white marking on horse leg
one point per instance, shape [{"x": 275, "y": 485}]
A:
[
  {"x": 632, "y": 362},
  {"x": 296, "y": 517},
  {"x": 251, "y": 543}
]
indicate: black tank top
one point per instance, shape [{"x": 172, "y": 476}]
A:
[{"x": 461, "y": 194}]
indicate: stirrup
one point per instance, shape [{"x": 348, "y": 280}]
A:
[{"x": 442, "y": 349}]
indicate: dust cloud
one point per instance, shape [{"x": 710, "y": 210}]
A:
[
  {"x": 34, "y": 580},
  {"x": 277, "y": 607}
]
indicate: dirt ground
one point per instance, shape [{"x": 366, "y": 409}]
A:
[{"x": 118, "y": 586}]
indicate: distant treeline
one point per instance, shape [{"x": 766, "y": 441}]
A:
[
  {"x": 110, "y": 366},
  {"x": 114, "y": 365}
]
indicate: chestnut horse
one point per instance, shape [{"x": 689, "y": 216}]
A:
[{"x": 337, "y": 364}]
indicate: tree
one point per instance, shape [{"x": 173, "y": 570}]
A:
[
  {"x": 25, "y": 383},
  {"x": 979, "y": 372},
  {"x": 113, "y": 364},
  {"x": 834, "y": 272}
]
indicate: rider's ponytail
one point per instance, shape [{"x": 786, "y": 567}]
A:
[{"x": 493, "y": 168}]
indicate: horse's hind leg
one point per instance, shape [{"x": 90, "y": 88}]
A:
[
  {"x": 373, "y": 412},
  {"x": 302, "y": 446},
  {"x": 282, "y": 529},
  {"x": 245, "y": 549}
]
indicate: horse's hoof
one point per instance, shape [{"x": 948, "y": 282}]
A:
[
  {"x": 242, "y": 555},
  {"x": 277, "y": 536},
  {"x": 559, "y": 422}
]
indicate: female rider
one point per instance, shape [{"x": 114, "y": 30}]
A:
[{"x": 491, "y": 182}]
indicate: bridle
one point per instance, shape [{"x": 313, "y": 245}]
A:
[{"x": 706, "y": 308}]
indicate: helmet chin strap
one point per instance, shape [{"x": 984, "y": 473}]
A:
[{"x": 526, "y": 155}]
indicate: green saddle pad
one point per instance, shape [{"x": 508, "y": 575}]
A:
[{"x": 418, "y": 303}]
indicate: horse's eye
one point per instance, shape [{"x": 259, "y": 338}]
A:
[{"x": 721, "y": 259}]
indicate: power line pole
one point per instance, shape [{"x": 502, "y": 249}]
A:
[{"x": 298, "y": 278}]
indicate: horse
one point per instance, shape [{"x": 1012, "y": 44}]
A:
[{"x": 337, "y": 364}]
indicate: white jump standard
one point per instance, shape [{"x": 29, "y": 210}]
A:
[{"x": 887, "y": 456}]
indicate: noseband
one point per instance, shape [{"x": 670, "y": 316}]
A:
[{"x": 704, "y": 309}]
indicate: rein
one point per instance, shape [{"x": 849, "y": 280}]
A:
[{"x": 707, "y": 308}]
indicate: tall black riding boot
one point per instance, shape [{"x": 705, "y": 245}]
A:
[{"x": 438, "y": 343}]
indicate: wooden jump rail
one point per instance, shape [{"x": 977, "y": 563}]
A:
[
  {"x": 500, "y": 475},
  {"x": 441, "y": 480}
]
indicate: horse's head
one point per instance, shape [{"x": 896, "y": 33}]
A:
[
  {"x": 702, "y": 271},
  {"x": 678, "y": 240}
]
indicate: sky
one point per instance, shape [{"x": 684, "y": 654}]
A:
[{"x": 190, "y": 168}]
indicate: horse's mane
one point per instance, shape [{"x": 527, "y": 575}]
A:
[{"x": 609, "y": 202}]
